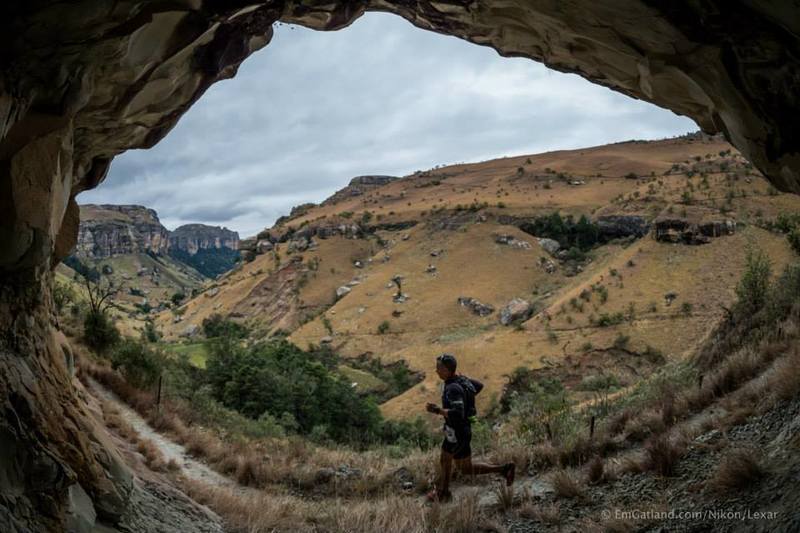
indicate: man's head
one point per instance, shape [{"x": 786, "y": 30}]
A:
[{"x": 446, "y": 366}]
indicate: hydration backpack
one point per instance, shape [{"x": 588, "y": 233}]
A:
[{"x": 471, "y": 389}]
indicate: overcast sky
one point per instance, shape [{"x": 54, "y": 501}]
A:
[{"x": 314, "y": 109}]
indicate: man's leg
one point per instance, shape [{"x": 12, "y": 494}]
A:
[
  {"x": 468, "y": 467},
  {"x": 446, "y": 462}
]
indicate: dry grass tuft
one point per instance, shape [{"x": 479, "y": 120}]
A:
[
  {"x": 595, "y": 470},
  {"x": 565, "y": 485},
  {"x": 740, "y": 468},
  {"x": 662, "y": 455},
  {"x": 505, "y": 496}
]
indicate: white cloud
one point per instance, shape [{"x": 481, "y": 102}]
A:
[{"x": 380, "y": 97}]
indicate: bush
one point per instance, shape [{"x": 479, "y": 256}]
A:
[
  {"x": 218, "y": 326},
  {"x": 178, "y": 297},
  {"x": 137, "y": 362},
  {"x": 383, "y": 327},
  {"x": 63, "y": 295},
  {"x": 99, "y": 331},
  {"x": 752, "y": 288},
  {"x": 276, "y": 377},
  {"x": 794, "y": 240}
]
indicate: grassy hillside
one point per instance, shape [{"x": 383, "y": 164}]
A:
[{"x": 605, "y": 320}]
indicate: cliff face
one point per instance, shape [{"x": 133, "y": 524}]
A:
[
  {"x": 191, "y": 238},
  {"x": 107, "y": 230}
]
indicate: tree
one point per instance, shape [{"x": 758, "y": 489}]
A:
[
  {"x": 752, "y": 288},
  {"x": 99, "y": 330}
]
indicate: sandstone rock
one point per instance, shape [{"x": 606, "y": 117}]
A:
[
  {"x": 475, "y": 306},
  {"x": 107, "y": 230},
  {"x": 547, "y": 265},
  {"x": 264, "y": 246},
  {"x": 326, "y": 340},
  {"x": 342, "y": 291},
  {"x": 191, "y": 238},
  {"x": 619, "y": 226},
  {"x": 550, "y": 246},
  {"x": 515, "y": 310},
  {"x": 512, "y": 241},
  {"x": 210, "y": 293}
]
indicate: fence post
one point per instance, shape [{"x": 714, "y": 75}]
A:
[{"x": 158, "y": 395}]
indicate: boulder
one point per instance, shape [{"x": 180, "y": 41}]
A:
[
  {"x": 107, "y": 270},
  {"x": 264, "y": 246},
  {"x": 477, "y": 307},
  {"x": 551, "y": 246},
  {"x": 191, "y": 330},
  {"x": 515, "y": 310},
  {"x": 342, "y": 291}
]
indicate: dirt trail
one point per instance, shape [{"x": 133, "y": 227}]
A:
[{"x": 190, "y": 467}]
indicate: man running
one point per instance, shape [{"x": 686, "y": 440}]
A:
[{"x": 458, "y": 408}]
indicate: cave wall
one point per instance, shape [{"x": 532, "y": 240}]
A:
[{"x": 85, "y": 80}]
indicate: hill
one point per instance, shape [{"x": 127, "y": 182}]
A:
[{"x": 596, "y": 265}]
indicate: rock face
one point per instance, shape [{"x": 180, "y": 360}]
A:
[
  {"x": 617, "y": 226},
  {"x": 81, "y": 84},
  {"x": 191, "y": 238},
  {"x": 358, "y": 186},
  {"x": 686, "y": 231},
  {"x": 107, "y": 230}
]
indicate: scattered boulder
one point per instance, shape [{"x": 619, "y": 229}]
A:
[
  {"x": 515, "y": 310},
  {"x": 477, "y": 307},
  {"x": 358, "y": 264},
  {"x": 512, "y": 241},
  {"x": 436, "y": 253},
  {"x": 264, "y": 247},
  {"x": 342, "y": 291},
  {"x": 107, "y": 270},
  {"x": 551, "y": 246},
  {"x": 210, "y": 293},
  {"x": 547, "y": 265},
  {"x": 670, "y": 297},
  {"x": 191, "y": 330},
  {"x": 431, "y": 269},
  {"x": 326, "y": 340}
]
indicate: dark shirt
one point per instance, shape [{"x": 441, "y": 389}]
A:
[{"x": 454, "y": 400}]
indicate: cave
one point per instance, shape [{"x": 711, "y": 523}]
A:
[{"x": 82, "y": 82}]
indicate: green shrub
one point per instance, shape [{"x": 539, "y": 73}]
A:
[
  {"x": 383, "y": 327},
  {"x": 99, "y": 331},
  {"x": 218, "y": 326},
  {"x": 794, "y": 240},
  {"x": 63, "y": 295},
  {"x": 137, "y": 362},
  {"x": 277, "y": 377},
  {"x": 752, "y": 288}
]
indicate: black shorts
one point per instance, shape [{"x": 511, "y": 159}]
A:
[{"x": 460, "y": 449}]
